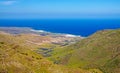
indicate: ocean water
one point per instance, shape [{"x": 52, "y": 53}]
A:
[{"x": 83, "y": 27}]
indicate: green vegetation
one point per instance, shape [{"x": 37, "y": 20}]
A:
[
  {"x": 100, "y": 51},
  {"x": 18, "y": 56}
]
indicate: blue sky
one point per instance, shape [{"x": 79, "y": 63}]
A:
[{"x": 59, "y": 8}]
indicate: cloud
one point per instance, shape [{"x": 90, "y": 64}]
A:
[{"x": 7, "y": 2}]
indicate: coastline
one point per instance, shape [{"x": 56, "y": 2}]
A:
[{"x": 20, "y": 30}]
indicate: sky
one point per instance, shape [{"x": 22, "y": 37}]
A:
[{"x": 59, "y": 9}]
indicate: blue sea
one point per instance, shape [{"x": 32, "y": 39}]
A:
[{"x": 83, "y": 27}]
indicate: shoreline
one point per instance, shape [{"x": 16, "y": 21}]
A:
[{"x": 20, "y": 30}]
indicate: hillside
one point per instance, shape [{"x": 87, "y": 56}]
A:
[
  {"x": 52, "y": 53},
  {"x": 100, "y": 50},
  {"x": 17, "y": 56}
]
